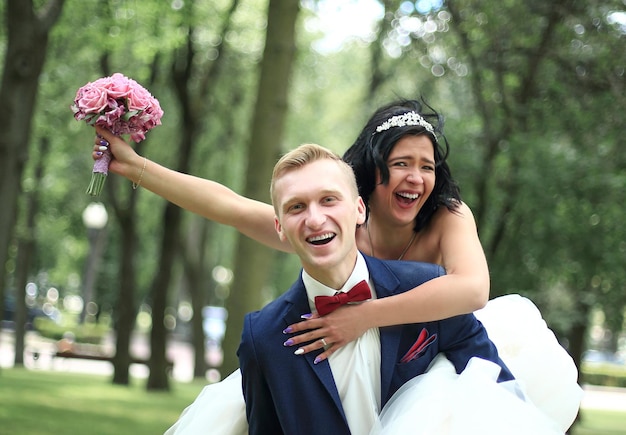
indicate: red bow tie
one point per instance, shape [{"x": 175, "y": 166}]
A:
[{"x": 328, "y": 304}]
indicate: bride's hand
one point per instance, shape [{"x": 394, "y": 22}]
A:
[
  {"x": 124, "y": 156},
  {"x": 328, "y": 333}
]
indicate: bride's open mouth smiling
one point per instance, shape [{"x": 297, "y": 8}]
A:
[{"x": 407, "y": 198}]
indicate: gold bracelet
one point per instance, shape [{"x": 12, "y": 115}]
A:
[{"x": 136, "y": 185}]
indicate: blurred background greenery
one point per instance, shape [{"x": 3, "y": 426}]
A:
[{"x": 533, "y": 95}]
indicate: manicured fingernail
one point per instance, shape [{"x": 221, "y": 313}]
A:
[
  {"x": 306, "y": 316},
  {"x": 288, "y": 342},
  {"x": 102, "y": 148},
  {"x": 287, "y": 330},
  {"x": 317, "y": 360},
  {"x": 299, "y": 352},
  {"x": 104, "y": 142},
  {"x": 98, "y": 153}
]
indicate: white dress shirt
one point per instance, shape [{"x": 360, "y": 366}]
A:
[{"x": 356, "y": 366}]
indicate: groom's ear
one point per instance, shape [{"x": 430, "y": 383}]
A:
[
  {"x": 279, "y": 229},
  {"x": 361, "y": 211}
]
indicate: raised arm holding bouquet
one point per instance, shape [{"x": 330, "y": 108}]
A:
[{"x": 120, "y": 105}]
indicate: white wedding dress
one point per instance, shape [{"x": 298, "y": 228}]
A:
[{"x": 441, "y": 401}]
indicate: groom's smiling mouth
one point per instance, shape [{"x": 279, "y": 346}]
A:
[{"x": 322, "y": 239}]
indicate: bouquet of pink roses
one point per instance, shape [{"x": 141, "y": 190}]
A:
[{"x": 120, "y": 105}]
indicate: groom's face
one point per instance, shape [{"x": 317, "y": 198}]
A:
[{"x": 318, "y": 211}]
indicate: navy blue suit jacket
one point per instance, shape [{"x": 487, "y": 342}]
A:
[{"x": 289, "y": 394}]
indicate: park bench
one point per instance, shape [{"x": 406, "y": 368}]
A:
[{"x": 70, "y": 354}]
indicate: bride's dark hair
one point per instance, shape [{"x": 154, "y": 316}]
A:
[{"x": 371, "y": 150}]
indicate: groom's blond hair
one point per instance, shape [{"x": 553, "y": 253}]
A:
[{"x": 302, "y": 156}]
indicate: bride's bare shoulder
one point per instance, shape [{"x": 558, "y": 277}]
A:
[{"x": 446, "y": 216}]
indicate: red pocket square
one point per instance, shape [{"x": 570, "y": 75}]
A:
[{"x": 422, "y": 342}]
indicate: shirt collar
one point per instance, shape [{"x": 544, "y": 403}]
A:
[{"x": 315, "y": 288}]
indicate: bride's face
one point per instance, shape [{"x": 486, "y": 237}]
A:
[{"x": 411, "y": 166}]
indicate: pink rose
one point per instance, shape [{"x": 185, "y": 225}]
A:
[
  {"x": 119, "y": 86},
  {"x": 90, "y": 99},
  {"x": 139, "y": 99}
]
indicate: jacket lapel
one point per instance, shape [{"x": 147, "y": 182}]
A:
[
  {"x": 300, "y": 305},
  {"x": 386, "y": 284}
]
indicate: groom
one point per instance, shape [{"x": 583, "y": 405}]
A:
[{"x": 317, "y": 210}]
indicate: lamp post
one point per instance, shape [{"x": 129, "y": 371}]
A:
[{"x": 95, "y": 218}]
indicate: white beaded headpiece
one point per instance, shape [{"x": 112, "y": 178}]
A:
[{"x": 408, "y": 118}]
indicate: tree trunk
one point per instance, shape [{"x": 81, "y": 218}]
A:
[
  {"x": 578, "y": 332},
  {"x": 197, "y": 282},
  {"x": 27, "y": 43},
  {"x": 172, "y": 215},
  {"x": 26, "y": 249},
  {"x": 193, "y": 104},
  {"x": 125, "y": 309},
  {"x": 377, "y": 50},
  {"x": 253, "y": 261},
  {"x": 576, "y": 342},
  {"x": 198, "y": 340}
]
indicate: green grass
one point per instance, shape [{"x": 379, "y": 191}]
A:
[
  {"x": 43, "y": 402},
  {"x": 35, "y": 402},
  {"x": 598, "y": 422}
]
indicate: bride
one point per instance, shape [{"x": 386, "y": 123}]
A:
[{"x": 415, "y": 213}]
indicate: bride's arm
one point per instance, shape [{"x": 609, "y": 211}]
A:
[
  {"x": 464, "y": 289},
  {"x": 207, "y": 198}
]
